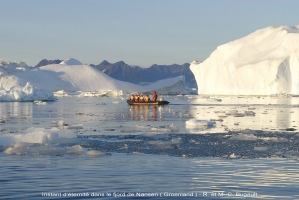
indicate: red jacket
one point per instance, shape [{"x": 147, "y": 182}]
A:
[{"x": 155, "y": 96}]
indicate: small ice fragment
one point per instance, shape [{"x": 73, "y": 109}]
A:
[
  {"x": 76, "y": 150},
  {"x": 231, "y": 112},
  {"x": 195, "y": 122},
  {"x": 96, "y": 153},
  {"x": 244, "y": 136},
  {"x": 174, "y": 128},
  {"x": 249, "y": 113},
  {"x": 233, "y": 156},
  {"x": 143, "y": 127},
  {"x": 76, "y": 126}
]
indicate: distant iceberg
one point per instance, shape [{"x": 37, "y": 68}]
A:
[
  {"x": 19, "y": 82},
  {"x": 263, "y": 63},
  {"x": 26, "y": 93}
]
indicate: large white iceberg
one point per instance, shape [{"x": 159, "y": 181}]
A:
[
  {"x": 19, "y": 82},
  {"x": 86, "y": 78},
  {"x": 263, "y": 63}
]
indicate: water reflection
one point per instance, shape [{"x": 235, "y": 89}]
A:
[
  {"x": 16, "y": 109},
  {"x": 270, "y": 113},
  {"x": 145, "y": 112},
  {"x": 259, "y": 176},
  {"x": 286, "y": 116}
]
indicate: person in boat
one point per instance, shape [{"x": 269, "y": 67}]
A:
[
  {"x": 141, "y": 98},
  {"x": 146, "y": 98},
  {"x": 132, "y": 97},
  {"x": 155, "y": 96},
  {"x": 136, "y": 99}
]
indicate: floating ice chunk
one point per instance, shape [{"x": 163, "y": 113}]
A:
[
  {"x": 239, "y": 115},
  {"x": 76, "y": 126},
  {"x": 249, "y": 113},
  {"x": 174, "y": 128},
  {"x": 143, "y": 127},
  {"x": 76, "y": 150},
  {"x": 34, "y": 149},
  {"x": 96, "y": 153},
  {"x": 234, "y": 156},
  {"x": 18, "y": 149},
  {"x": 125, "y": 146},
  {"x": 200, "y": 123},
  {"x": 274, "y": 139},
  {"x": 231, "y": 112},
  {"x": 166, "y": 128},
  {"x": 38, "y": 136},
  {"x": 39, "y": 102},
  {"x": 62, "y": 125},
  {"x": 161, "y": 129},
  {"x": 149, "y": 134},
  {"x": 244, "y": 136},
  {"x": 37, "y": 141}
]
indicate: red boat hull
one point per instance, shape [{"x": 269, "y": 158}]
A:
[{"x": 148, "y": 103}]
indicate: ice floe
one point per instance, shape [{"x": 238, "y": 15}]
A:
[{"x": 200, "y": 123}]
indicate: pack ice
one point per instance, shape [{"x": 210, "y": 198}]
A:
[{"x": 263, "y": 63}]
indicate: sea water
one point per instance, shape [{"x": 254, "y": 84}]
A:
[{"x": 103, "y": 148}]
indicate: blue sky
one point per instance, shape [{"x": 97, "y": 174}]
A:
[{"x": 139, "y": 32}]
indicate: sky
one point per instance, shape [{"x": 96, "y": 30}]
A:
[{"x": 138, "y": 32}]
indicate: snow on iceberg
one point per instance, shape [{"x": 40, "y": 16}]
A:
[
  {"x": 86, "y": 78},
  {"x": 263, "y": 63},
  {"x": 71, "y": 78},
  {"x": 71, "y": 61}
]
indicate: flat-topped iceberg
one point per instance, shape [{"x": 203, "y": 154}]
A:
[{"x": 263, "y": 63}]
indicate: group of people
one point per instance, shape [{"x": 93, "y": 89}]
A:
[{"x": 141, "y": 98}]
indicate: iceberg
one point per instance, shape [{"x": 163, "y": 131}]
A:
[
  {"x": 26, "y": 93},
  {"x": 265, "y": 62},
  {"x": 13, "y": 88},
  {"x": 19, "y": 82},
  {"x": 85, "y": 78}
]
